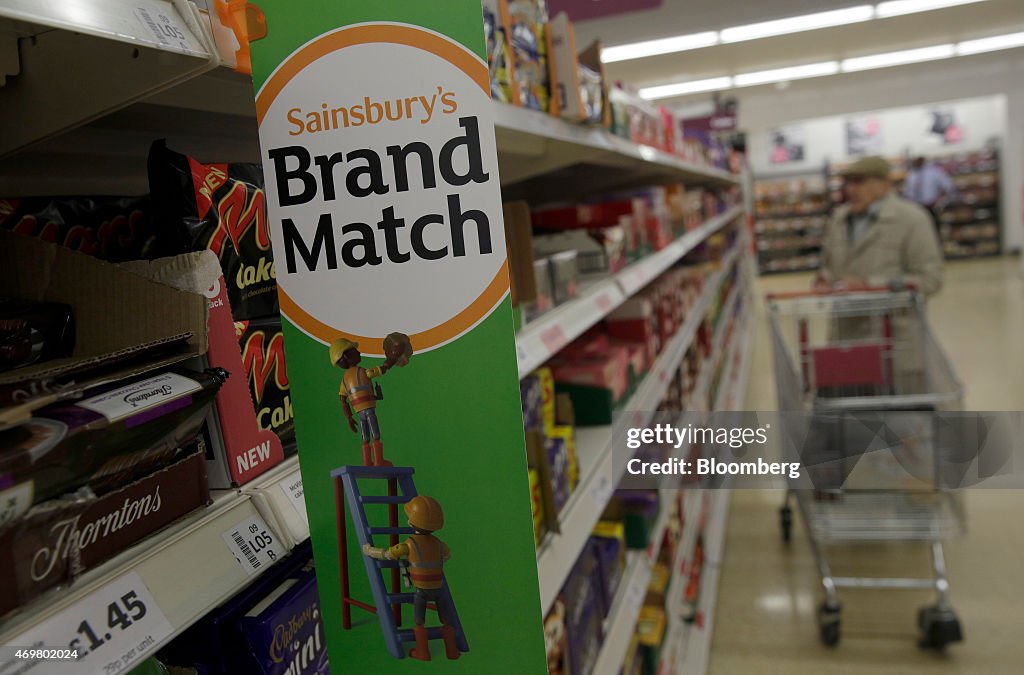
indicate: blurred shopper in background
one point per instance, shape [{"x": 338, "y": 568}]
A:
[
  {"x": 878, "y": 238},
  {"x": 930, "y": 186}
]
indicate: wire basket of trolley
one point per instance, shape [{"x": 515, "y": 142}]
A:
[{"x": 860, "y": 379}]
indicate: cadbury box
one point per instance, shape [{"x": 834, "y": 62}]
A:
[
  {"x": 285, "y": 630},
  {"x": 59, "y": 539}
]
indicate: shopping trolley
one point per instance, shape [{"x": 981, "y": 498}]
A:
[{"x": 863, "y": 375}]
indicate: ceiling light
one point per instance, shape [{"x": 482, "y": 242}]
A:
[
  {"x": 786, "y": 74},
  {"x": 683, "y": 88},
  {"x": 898, "y": 58},
  {"x": 796, "y": 24},
  {"x": 638, "y": 50},
  {"x": 900, "y": 7},
  {"x": 990, "y": 44}
]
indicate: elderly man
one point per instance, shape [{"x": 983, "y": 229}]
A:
[{"x": 878, "y": 238}]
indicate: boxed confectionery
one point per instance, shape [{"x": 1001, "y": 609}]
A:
[
  {"x": 528, "y": 28},
  {"x": 500, "y": 57},
  {"x": 584, "y": 613},
  {"x": 109, "y": 228},
  {"x": 57, "y": 540},
  {"x": 608, "y": 543},
  {"x": 284, "y": 631},
  {"x": 579, "y": 85},
  {"x": 220, "y": 644},
  {"x": 556, "y": 639},
  {"x": 115, "y": 323},
  {"x": 638, "y": 512}
]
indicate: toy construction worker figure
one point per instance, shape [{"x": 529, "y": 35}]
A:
[
  {"x": 358, "y": 393},
  {"x": 426, "y": 555}
]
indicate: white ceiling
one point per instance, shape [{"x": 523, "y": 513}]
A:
[{"x": 678, "y": 17}]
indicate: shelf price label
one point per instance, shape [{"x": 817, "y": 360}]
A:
[
  {"x": 111, "y": 629},
  {"x": 168, "y": 31},
  {"x": 252, "y": 543},
  {"x": 292, "y": 487}
]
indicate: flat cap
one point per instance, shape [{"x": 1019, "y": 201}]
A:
[{"x": 868, "y": 167}]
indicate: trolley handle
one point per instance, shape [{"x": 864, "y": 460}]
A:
[{"x": 834, "y": 292}]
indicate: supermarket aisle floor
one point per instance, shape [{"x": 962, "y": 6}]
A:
[{"x": 769, "y": 593}]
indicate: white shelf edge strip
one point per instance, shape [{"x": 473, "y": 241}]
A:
[
  {"x": 541, "y": 339},
  {"x": 558, "y": 553}
]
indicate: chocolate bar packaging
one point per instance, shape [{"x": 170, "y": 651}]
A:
[
  {"x": 262, "y": 345},
  {"x": 33, "y": 332},
  {"x": 56, "y": 541},
  {"x": 220, "y": 207},
  {"x": 114, "y": 434},
  {"x": 114, "y": 229},
  {"x": 285, "y": 631}
]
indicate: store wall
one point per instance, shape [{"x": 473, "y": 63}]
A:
[
  {"x": 901, "y": 131},
  {"x": 1000, "y": 74}
]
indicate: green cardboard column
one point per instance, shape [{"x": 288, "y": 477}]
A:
[{"x": 385, "y": 212}]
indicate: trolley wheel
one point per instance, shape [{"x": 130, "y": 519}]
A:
[
  {"x": 786, "y": 522},
  {"x": 938, "y": 626},
  {"x": 828, "y": 623}
]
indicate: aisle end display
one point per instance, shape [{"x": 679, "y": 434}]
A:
[{"x": 384, "y": 216}]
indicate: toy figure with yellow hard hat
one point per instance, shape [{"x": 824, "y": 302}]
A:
[
  {"x": 425, "y": 555},
  {"x": 359, "y": 394}
]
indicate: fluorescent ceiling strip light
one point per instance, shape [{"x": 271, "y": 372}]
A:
[
  {"x": 786, "y": 74},
  {"x": 683, "y": 88},
  {"x": 797, "y": 24},
  {"x": 991, "y": 44},
  {"x": 639, "y": 50},
  {"x": 898, "y": 58},
  {"x": 900, "y": 7}
]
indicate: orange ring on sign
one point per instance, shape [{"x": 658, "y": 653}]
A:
[{"x": 454, "y": 54}]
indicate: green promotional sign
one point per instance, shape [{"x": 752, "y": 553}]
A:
[{"x": 384, "y": 205}]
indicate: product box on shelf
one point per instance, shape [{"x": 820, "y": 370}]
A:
[
  {"x": 215, "y": 644},
  {"x": 519, "y": 238},
  {"x": 124, "y": 324},
  {"x": 58, "y": 540},
  {"x": 500, "y": 56},
  {"x": 584, "y": 612},
  {"x": 528, "y": 22},
  {"x": 564, "y": 276},
  {"x": 594, "y": 85},
  {"x": 650, "y": 628},
  {"x": 556, "y": 641},
  {"x": 109, "y": 228},
  {"x": 239, "y": 449},
  {"x": 284, "y": 631},
  {"x": 638, "y": 511},
  {"x": 596, "y": 386},
  {"x": 609, "y": 546}
]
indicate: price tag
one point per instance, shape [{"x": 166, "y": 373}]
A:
[
  {"x": 168, "y": 30},
  {"x": 635, "y": 597},
  {"x": 554, "y": 338},
  {"x": 292, "y": 487},
  {"x": 112, "y": 628},
  {"x": 604, "y": 303},
  {"x": 253, "y": 544},
  {"x": 601, "y": 492}
]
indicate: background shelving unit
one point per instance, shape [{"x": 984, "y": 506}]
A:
[
  {"x": 791, "y": 211},
  {"x": 154, "y": 71}
]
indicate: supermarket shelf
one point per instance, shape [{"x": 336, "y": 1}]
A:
[
  {"x": 121, "y": 54},
  {"x": 187, "y": 568},
  {"x": 541, "y": 339},
  {"x": 629, "y": 598},
  {"x": 278, "y": 496},
  {"x": 558, "y": 553},
  {"x": 533, "y": 143}
]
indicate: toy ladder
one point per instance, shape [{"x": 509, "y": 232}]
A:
[{"x": 401, "y": 489}]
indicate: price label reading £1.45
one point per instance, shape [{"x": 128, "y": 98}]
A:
[{"x": 111, "y": 629}]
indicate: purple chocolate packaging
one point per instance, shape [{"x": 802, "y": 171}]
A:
[
  {"x": 585, "y": 638},
  {"x": 558, "y": 461},
  {"x": 533, "y": 402},
  {"x": 215, "y": 645},
  {"x": 608, "y": 551},
  {"x": 285, "y": 630}
]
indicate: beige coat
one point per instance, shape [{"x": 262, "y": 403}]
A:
[{"x": 901, "y": 244}]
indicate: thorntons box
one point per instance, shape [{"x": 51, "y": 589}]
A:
[
  {"x": 284, "y": 630},
  {"x": 59, "y": 539}
]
